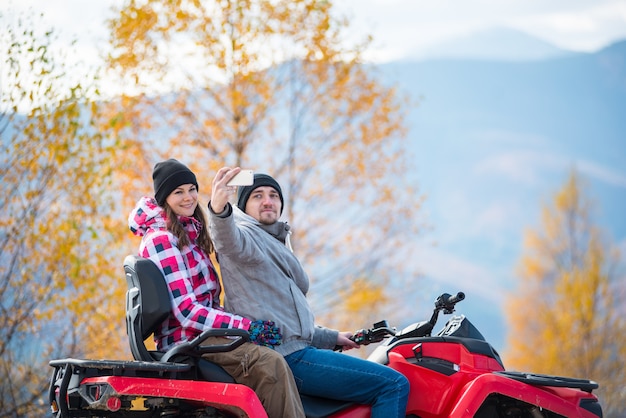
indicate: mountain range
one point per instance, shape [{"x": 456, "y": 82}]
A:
[
  {"x": 499, "y": 43},
  {"x": 492, "y": 139}
]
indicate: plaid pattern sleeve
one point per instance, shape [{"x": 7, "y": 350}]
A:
[{"x": 194, "y": 290}]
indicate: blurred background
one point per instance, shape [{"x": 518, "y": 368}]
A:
[{"x": 501, "y": 106}]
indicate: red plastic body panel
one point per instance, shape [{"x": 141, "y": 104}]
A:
[
  {"x": 432, "y": 393},
  {"x": 477, "y": 391},
  {"x": 237, "y": 399},
  {"x": 226, "y": 396},
  {"x": 436, "y": 395},
  {"x": 458, "y": 390}
]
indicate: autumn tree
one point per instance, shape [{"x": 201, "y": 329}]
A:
[
  {"x": 56, "y": 277},
  {"x": 565, "y": 316},
  {"x": 273, "y": 86}
]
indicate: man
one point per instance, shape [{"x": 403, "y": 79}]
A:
[{"x": 264, "y": 279}]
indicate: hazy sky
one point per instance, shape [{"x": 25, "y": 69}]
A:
[
  {"x": 403, "y": 28},
  {"x": 399, "y": 27}
]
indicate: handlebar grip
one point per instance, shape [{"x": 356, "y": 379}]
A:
[
  {"x": 455, "y": 298},
  {"x": 447, "y": 302}
]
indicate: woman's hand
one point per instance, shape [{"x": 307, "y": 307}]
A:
[
  {"x": 220, "y": 190},
  {"x": 265, "y": 333},
  {"x": 344, "y": 341}
]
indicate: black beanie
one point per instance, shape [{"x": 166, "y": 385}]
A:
[
  {"x": 168, "y": 175},
  {"x": 243, "y": 193}
]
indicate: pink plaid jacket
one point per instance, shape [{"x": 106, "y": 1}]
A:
[{"x": 191, "y": 278}]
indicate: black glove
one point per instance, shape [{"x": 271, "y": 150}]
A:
[{"x": 265, "y": 333}]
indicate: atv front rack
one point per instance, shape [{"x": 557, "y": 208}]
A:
[{"x": 549, "y": 380}]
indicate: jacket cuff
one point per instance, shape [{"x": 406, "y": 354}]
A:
[
  {"x": 228, "y": 210},
  {"x": 324, "y": 338}
]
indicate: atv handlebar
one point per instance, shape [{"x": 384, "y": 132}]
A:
[
  {"x": 381, "y": 329},
  {"x": 456, "y": 298},
  {"x": 376, "y": 334},
  {"x": 446, "y": 302},
  {"x": 373, "y": 335}
]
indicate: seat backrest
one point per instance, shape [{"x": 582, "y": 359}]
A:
[{"x": 147, "y": 304}]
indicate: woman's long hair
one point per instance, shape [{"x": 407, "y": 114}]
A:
[{"x": 176, "y": 228}]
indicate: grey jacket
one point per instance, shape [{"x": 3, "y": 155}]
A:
[{"x": 263, "y": 279}]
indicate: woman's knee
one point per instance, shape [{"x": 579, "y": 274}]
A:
[{"x": 271, "y": 357}]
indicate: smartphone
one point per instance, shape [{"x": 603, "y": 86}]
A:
[{"x": 243, "y": 178}]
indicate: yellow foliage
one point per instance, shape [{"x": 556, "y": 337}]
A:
[
  {"x": 58, "y": 266},
  {"x": 272, "y": 86},
  {"x": 563, "y": 318},
  {"x": 363, "y": 296},
  {"x": 362, "y": 302}
]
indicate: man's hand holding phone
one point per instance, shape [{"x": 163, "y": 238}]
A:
[{"x": 225, "y": 185}]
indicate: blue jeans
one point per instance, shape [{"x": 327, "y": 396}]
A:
[{"x": 329, "y": 374}]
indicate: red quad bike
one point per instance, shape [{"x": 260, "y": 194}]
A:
[{"x": 453, "y": 374}]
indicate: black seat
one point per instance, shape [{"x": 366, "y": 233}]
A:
[{"x": 148, "y": 305}]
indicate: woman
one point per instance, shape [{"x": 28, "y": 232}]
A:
[{"x": 176, "y": 238}]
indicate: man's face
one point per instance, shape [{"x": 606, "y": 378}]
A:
[{"x": 264, "y": 205}]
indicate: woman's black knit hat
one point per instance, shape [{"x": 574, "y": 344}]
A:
[
  {"x": 243, "y": 193},
  {"x": 168, "y": 175}
]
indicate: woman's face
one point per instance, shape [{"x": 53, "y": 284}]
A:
[{"x": 183, "y": 200}]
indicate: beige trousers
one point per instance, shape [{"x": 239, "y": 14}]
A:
[{"x": 264, "y": 371}]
